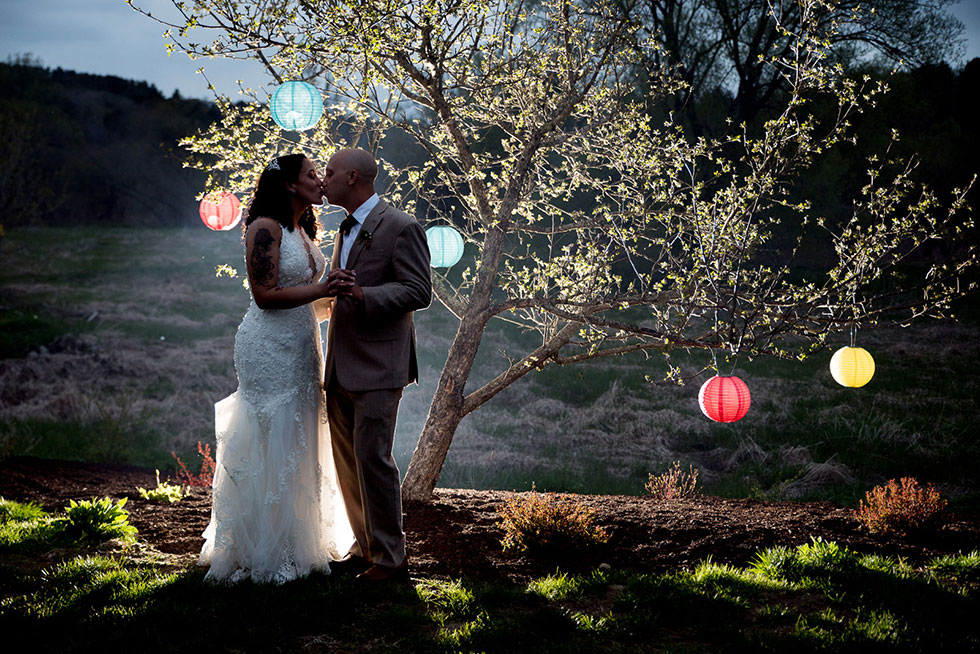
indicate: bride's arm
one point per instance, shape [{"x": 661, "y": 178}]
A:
[{"x": 262, "y": 258}]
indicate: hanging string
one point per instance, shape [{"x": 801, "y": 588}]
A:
[
  {"x": 616, "y": 230},
  {"x": 718, "y": 369}
]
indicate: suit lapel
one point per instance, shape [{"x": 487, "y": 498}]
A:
[
  {"x": 335, "y": 259},
  {"x": 370, "y": 225}
]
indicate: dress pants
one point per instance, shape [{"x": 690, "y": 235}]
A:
[{"x": 362, "y": 431}]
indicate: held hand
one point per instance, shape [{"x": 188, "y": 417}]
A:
[
  {"x": 323, "y": 288},
  {"x": 357, "y": 293},
  {"x": 341, "y": 282}
]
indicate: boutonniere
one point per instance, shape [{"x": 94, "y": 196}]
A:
[{"x": 365, "y": 235}]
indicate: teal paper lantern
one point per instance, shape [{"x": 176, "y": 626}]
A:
[
  {"x": 296, "y": 106},
  {"x": 445, "y": 246}
]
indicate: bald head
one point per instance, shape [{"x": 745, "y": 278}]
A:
[
  {"x": 358, "y": 161},
  {"x": 348, "y": 180}
]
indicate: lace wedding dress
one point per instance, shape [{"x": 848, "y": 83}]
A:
[{"x": 276, "y": 510}]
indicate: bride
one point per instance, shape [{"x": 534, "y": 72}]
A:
[{"x": 276, "y": 511}]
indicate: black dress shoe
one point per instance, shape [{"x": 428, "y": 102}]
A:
[
  {"x": 351, "y": 564},
  {"x": 378, "y": 572}
]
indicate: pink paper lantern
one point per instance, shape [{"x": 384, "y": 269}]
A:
[
  {"x": 724, "y": 399},
  {"x": 221, "y": 215}
]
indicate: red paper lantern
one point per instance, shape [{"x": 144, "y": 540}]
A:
[
  {"x": 221, "y": 215},
  {"x": 724, "y": 399}
]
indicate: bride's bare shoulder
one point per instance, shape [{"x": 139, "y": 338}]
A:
[
  {"x": 264, "y": 223},
  {"x": 257, "y": 226}
]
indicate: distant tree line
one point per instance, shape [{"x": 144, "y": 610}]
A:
[
  {"x": 932, "y": 108},
  {"x": 719, "y": 47},
  {"x": 93, "y": 149}
]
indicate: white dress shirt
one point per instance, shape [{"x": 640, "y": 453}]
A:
[{"x": 360, "y": 215}]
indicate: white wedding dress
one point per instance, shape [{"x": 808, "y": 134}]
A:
[{"x": 276, "y": 512}]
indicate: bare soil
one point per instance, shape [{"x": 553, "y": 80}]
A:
[{"x": 457, "y": 534}]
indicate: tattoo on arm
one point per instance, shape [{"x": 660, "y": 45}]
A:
[{"x": 261, "y": 260}]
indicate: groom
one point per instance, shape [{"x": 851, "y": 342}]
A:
[{"x": 379, "y": 276}]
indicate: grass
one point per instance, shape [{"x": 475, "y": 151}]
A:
[
  {"x": 111, "y": 439},
  {"x": 26, "y": 328},
  {"x": 914, "y": 419},
  {"x": 814, "y": 597},
  {"x": 119, "y": 604},
  {"x": 162, "y": 334},
  {"x": 961, "y": 569},
  {"x": 597, "y": 427},
  {"x": 22, "y": 526}
]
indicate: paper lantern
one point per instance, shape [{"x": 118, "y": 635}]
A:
[
  {"x": 724, "y": 398},
  {"x": 445, "y": 246},
  {"x": 852, "y": 366},
  {"x": 296, "y": 106},
  {"x": 221, "y": 215}
]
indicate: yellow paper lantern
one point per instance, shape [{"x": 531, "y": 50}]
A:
[{"x": 852, "y": 366}]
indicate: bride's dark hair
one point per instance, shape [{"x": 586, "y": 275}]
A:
[{"x": 271, "y": 199}]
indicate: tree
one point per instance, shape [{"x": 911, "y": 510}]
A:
[
  {"x": 724, "y": 44},
  {"x": 599, "y": 226}
]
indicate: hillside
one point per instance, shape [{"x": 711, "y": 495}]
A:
[{"x": 78, "y": 148}]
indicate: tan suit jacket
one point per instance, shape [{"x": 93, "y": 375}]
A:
[{"x": 371, "y": 345}]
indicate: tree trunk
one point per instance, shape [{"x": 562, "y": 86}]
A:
[
  {"x": 445, "y": 412},
  {"x": 446, "y": 409}
]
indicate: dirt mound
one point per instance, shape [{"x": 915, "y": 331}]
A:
[{"x": 457, "y": 535}]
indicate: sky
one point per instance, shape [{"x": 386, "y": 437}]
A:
[{"x": 107, "y": 37}]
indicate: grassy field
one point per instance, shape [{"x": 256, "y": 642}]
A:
[{"x": 137, "y": 332}]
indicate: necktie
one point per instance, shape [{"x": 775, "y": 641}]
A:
[{"x": 348, "y": 223}]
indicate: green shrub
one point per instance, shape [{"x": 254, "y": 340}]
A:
[
  {"x": 18, "y": 512},
  {"x": 24, "y": 526},
  {"x": 164, "y": 492},
  {"x": 547, "y": 522},
  {"x": 901, "y": 506},
  {"x": 95, "y": 521},
  {"x": 674, "y": 483}
]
